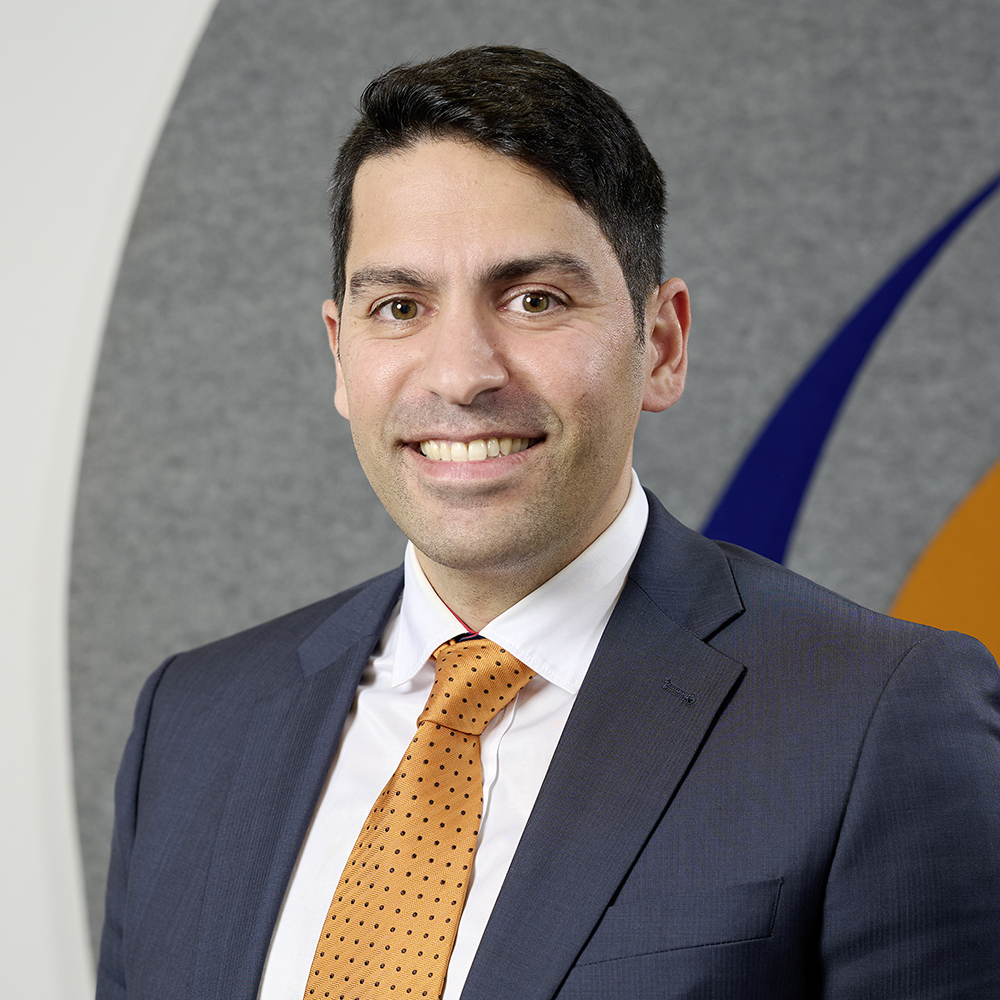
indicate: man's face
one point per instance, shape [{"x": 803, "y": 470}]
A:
[{"x": 484, "y": 313}]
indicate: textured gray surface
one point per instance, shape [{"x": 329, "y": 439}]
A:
[
  {"x": 808, "y": 147},
  {"x": 922, "y": 426}
]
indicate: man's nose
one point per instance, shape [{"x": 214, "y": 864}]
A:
[{"x": 463, "y": 359}]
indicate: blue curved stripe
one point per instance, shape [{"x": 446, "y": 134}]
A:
[{"x": 761, "y": 504}]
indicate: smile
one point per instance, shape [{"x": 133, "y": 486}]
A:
[{"x": 474, "y": 451}]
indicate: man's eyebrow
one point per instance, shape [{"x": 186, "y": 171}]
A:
[
  {"x": 368, "y": 277},
  {"x": 575, "y": 267}
]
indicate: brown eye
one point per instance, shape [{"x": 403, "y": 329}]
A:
[
  {"x": 403, "y": 309},
  {"x": 535, "y": 302}
]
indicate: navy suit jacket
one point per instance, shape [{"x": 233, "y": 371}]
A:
[{"x": 763, "y": 790}]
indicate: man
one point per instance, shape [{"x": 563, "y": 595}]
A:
[{"x": 710, "y": 777}]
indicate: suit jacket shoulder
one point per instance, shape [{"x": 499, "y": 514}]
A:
[
  {"x": 218, "y": 782},
  {"x": 763, "y": 790}
]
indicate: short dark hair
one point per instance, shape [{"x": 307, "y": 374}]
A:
[{"x": 530, "y": 106}]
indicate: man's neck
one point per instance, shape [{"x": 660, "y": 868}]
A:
[{"x": 476, "y": 598}]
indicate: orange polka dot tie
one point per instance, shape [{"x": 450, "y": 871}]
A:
[{"x": 393, "y": 920}]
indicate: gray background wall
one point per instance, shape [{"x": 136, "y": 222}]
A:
[{"x": 807, "y": 148}]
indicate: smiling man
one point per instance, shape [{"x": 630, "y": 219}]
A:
[
  {"x": 489, "y": 363},
  {"x": 608, "y": 758}
]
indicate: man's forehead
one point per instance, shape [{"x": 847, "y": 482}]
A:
[
  {"x": 448, "y": 175},
  {"x": 438, "y": 198}
]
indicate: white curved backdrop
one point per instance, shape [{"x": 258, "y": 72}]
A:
[{"x": 86, "y": 88}]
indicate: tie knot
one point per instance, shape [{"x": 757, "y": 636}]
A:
[{"x": 475, "y": 679}]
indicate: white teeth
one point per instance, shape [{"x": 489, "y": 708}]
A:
[{"x": 473, "y": 451}]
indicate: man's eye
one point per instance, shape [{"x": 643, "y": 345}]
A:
[
  {"x": 535, "y": 302},
  {"x": 401, "y": 309}
]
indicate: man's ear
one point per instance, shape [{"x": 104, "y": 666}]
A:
[
  {"x": 332, "y": 321},
  {"x": 668, "y": 319}
]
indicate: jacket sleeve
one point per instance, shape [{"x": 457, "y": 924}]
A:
[
  {"x": 912, "y": 906},
  {"x": 111, "y": 978}
]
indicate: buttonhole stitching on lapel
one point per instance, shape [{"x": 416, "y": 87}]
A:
[{"x": 670, "y": 686}]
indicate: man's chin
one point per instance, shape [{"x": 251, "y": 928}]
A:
[
  {"x": 478, "y": 552},
  {"x": 465, "y": 556}
]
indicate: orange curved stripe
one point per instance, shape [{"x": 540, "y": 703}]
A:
[{"x": 955, "y": 584}]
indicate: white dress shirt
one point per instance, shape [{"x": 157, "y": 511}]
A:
[{"x": 555, "y": 631}]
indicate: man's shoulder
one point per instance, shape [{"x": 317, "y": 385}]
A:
[
  {"x": 776, "y": 597},
  {"x": 286, "y": 646},
  {"x": 771, "y": 609},
  {"x": 795, "y": 631},
  {"x": 771, "y": 588}
]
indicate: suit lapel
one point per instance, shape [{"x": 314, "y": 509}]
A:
[
  {"x": 650, "y": 698},
  {"x": 293, "y": 733}
]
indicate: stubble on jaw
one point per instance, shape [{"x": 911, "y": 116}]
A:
[
  {"x": 482, "y": 581},
  {"x": 493, "y": 562}
]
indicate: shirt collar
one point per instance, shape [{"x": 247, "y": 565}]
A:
[{"x": 555, "y": 629}]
